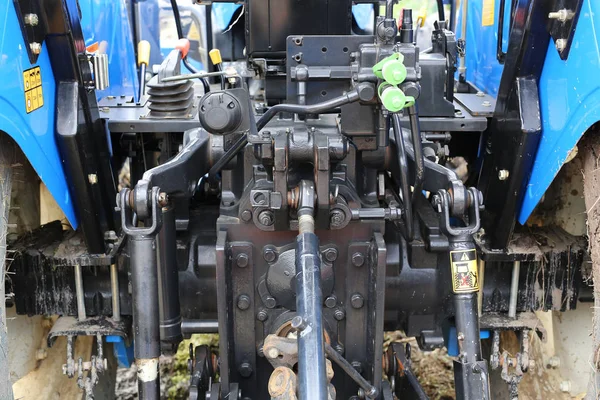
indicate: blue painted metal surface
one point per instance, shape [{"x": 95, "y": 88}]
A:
[
  {"x": 108, "y": 21},
  {"x": 33, "y": 132},
  {"x": 483, "y": 69},
  {"x": 122, "y": 351},
  {"x": 569, "y": 103},
  {"x": 452, "y": 340}
]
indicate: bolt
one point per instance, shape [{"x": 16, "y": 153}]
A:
[
  {"x": 266, "y": 218},
  {"x": 331, "y": 254},
  {"x": 337, "y": 218},
  {"x": 262, "y": 315},
  {"x": 503, "y": 174},
  {"x": 476, "y": 369},
  {"x": 553, "y": 362},
  {"x": 480, "y": 94},
  {"x": 460, "y": 337},
  {"x": 106, "y": 109},
  {"x": 330, "y": 301},
  {"x": 561, "y": 15},
  {"x": 31, "y": 19},
  {"x": 242, "y": 260},
  {"x": 339, "y": 314},
  {"x": 243, "y": 302},
  {"x": 272, "y": 353},
  {"x": 245, "y": 369},
  {"x": 246, "y": 215},
  {"x": 41, "y": 354},
  {"x": 298, "y": 323},
  {"x": 36, "y": 48},
  {"x": 163, "y": 199},
  {"x": 92, "y": 179},
  {"x": 339, "y": 348},
  {"x": 270, "y": 301},
  {"x": 486, "y": 104},
  {"x": 357, "y": 300},
  {"x": 561, "y": 44},
  {"x": 565, "y": 386},
  {"x": 358, "y": 259},
  {"x": 357, "y": 365},
  {"x": 270, "y": 255}
]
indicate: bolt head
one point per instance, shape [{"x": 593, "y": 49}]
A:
[
  {"x": 246, "y": 215},
  {"x": 357, "y": 300},
  {"x": 272, "y": 353},
  {"x": 330, "y": 301},
  {"x": 36, "y": 48},
  {"x": 298, "y": 323},
  {"x": 357, "y": 365},
  {"x": 242, "y": 260},
  {"x": 270, "y": 301},
  {"x": 331, "y": 254},
  {"x": 270, "y": 255},
  {"x": 339, "y": 314},
  {"x": 262, "y": 315},
  {"x": 31, "y": 19},
  {"x": 243, "y": 302},
  {"x": 561, "y": 44},
  {"x": 245, "y": 369},
  {"x": 358, "y": 259},
  {"x": 503, "y": 174}
]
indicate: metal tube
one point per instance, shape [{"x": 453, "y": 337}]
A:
[
  {"x": 114, "y": 288},
  {"x": 389, "y": 8},
  {"x": 186, "y": 77},
  {"x": 312, "y": 383},
  {"x": 467, "y": 326},
  {"x": 191, "y": 326},
  {"x": 514, "y": 290},
  {"x": 146, "y": 334},
  {"x": 415, "y": 130},
  {"x": 404, "y": 186},
  {"x": 462, "y": 68},
  {"x": 79, "y": 293},
  {"x": 371, "y": 391},
  {"x": 168, "y": 279}
]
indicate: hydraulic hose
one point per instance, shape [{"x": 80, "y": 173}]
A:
[
  {"x": 180, "y": 35},
  {"x": 317, "y": 108},
  {"x": 404, "y": 186},
  {"x": 415, "y": 130},
  {"x": 440, "y": 7}
]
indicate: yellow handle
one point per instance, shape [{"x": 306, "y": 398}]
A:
[
  {"x": 144, "y": 52},
  {"x": 215, "y": 56}
]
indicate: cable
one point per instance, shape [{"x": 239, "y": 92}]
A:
[
  {"x": 440, "y": 6},
  {"x": 415, "y": 130},
  {"x": 193, "y": 70}
]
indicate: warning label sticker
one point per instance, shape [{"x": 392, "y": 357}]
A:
[
  {"x": 32, "y": 83},
  {"x": 487, "y": 12},
  {"x": 464, "y": 271}
]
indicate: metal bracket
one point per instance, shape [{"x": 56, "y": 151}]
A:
[{"x": 562, "y": 21}]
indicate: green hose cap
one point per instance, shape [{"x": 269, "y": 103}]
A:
[
  {"x": 391, "y": 69},
  {"x": 393, "y": 98}
]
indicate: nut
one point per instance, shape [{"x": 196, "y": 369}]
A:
[
  {"x": 31, "y": 19},
  {"x": 246, "y": 215},
  {"x": 270, "y": 255},
  {"x": 503, "y": 174},
  {"x": 358, "y": 259},
  {"x": 242, "y": 260},
  {"x": 36, "y": 48},
  {"x": 262, "y": 315},
  {"x": 339, "y": 314},
  {"x": 331, "y": 254},
  {"x": 266, "y": 218}
]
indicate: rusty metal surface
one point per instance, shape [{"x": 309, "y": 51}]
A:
[
  {"x": 70, "y": 326},
  {"x": 525, "y": 320}
]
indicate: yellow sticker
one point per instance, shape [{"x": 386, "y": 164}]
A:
[
  {"x": 487, "y": 12},
  {"x": 464, "y": 271},
  {"x": 32, "y": 83}
]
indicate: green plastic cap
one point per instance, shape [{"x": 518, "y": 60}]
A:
[
  {"x": 394, "y": 72},
  {"x": 394, "y": 99}
]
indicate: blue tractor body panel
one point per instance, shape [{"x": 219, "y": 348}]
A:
[
  {"x": 569, "y": 103},
  {"x": 34, "y": 131}
]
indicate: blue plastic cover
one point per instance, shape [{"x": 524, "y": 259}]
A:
[
  {"x": 483, "y": 68},
  {"x": 452, "y": 340},
  {"x": 108, "y": 21},
  {"x": 569, "y": 103},
  {"x": 33, "y": 132}
]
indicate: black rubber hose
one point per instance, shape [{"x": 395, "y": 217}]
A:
[
  {"x": 440, "y": 6},
  {"x": 404, "y": 186},
  {"x": 318, "y": 108},
  {"x": 193, "y": 70},
  {"x": 415, "y": 130}
]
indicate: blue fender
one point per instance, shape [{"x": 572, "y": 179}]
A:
[
  {"x": 569, "y": 103},
  {"x": 33, "y": 132}
]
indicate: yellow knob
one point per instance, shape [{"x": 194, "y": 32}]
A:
[
  {"x": 144, "y": 52},
  {"x": 422, "y": 16},
  {"x": 215, "y": 56}
]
